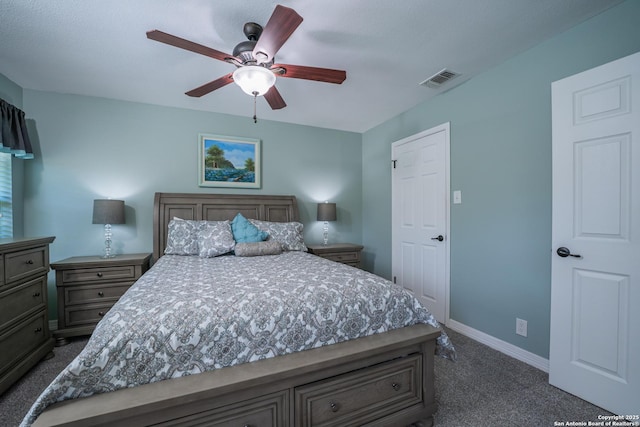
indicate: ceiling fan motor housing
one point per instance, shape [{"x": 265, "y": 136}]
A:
[{"x": 244, "y": 50}]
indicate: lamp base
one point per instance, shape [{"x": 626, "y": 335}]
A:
[
  {"x": 325, "y": 234},
  {"x": 107, "y": 242}
]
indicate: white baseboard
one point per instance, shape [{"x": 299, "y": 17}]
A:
[
  {"x": 502, "y": 346},
  {"x": 53, "y": 325}
]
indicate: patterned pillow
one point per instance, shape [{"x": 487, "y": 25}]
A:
[
  {"x": 214, "y": 238},
  {"x": 270, "y": 247},
  {"x": 289, "y": 234},
  {"x": 246, "y": 232},
  {"x": 182, "y": 237}
]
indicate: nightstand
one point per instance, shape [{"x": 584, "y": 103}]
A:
[
  {"x": 346, "y": 253},
  {"x": 87, "y": 288}
]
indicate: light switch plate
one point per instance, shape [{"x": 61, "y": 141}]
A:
[{"x": 457, "y": 197}]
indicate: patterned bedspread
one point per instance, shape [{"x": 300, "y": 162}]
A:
[{"x": 189, "y": 314}]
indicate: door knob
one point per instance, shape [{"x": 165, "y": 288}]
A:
[
  {"x": 565, "y": 252},
  {"x": 440, "y": 238}
]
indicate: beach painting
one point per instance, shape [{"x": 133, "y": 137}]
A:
[{"x": 226, "y": 161}]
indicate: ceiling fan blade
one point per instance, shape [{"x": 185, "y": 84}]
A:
[
  {"x": 211, "y": 86},
  {"x": 326, "y": 75},
  {"x": 274, "y": 99},
  {"x": 162, "y": 37},
  {"x": 281, "y": 25}
]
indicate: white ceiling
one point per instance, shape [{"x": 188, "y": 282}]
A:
[{"x": 99, "y": 48}]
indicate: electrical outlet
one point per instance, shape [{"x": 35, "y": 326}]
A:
[{"x": 521, "y": 327}]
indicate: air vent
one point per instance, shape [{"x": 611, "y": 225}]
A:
[{"x": 440, "y": 78}]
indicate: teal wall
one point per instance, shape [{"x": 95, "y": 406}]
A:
[
  {"x": 89, "y": 148},
  {"x": 501, "y": 161},
  {"x": 10, "y": 92}
]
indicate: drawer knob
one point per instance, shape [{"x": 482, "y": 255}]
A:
[
  {"x": 396, "y": 386},
  {"x": 29, "y": 261},
  {"x": 36, "y": 330},
  {"x": 334, "y": 406},
  {"x": 99, "y": 274},
  {"x": 100, "y": 294},
  {"x": 36, "y": 294},
  {"x": 101, "y": 313}
]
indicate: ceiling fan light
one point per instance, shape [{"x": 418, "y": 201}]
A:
[{"x": 254, "y": 79}]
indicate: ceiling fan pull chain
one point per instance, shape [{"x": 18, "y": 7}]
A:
[{"x": 255, "y": 97}]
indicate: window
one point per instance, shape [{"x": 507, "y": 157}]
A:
[{"x": 6, "y": 204}]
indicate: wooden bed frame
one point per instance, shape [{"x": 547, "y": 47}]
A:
[{"x": 382, "y": 380}]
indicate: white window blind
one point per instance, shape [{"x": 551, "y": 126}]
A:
[{"x": 6, "y": 208}]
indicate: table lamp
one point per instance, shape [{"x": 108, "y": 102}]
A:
[{"x": 108, "y": 212}]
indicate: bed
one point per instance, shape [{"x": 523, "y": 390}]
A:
[{"x": 265, "y": 366}]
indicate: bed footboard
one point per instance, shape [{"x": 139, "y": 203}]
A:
[{"x": 384, "y": 379}]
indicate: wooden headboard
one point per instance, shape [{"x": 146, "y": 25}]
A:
[{"x": 216, "y": 207}]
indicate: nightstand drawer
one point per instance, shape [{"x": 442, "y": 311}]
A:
[
  {"x": 22, "y": 299},
  {"x": 344, "y": 257},
  {"x": 85, "y": 315},
  {"x": 345, "y": 253},
  {"x": 107, "y": 274},
  {"x": 22, "y": 339},
  {"x": 24, "y": 263},
  {"x": 363, "y": 395},
  {"x": 88, "y": 294}
]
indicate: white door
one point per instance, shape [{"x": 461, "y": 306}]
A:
[
  {"x": 420, "y": 217},
  {"x": 595, "y": 291}
]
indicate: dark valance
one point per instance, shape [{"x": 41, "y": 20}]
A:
[{"x": 14, "y": 138}]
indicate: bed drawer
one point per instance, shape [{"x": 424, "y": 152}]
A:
[
  {"x": 22, "y": 300},
  {"x": 264, "y": 411},
  {"x": 85, "y": 314},
  {"x": 361, "y": 396},
  {"x": 104, "y": 274},
  {"x": 94, "y": 294}
]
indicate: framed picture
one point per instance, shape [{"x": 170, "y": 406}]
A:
[{"x": 226, "y": 161}]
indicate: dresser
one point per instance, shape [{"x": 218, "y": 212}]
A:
[
  {"x": 346, "y": 253},
  {"x": 88, "y": 286},
  {"x": 24, "y": 321}
]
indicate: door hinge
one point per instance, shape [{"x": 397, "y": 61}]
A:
[{"x": 394, "y": 163}]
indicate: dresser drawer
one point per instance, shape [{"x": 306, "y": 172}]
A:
[
  {"x": 85, "y": 315},
  {"x": 362, "y": 396},
  {"x": 21, "y": 264},
  {"x": 94, "y": 294},
  {"x": 22, "y": 339},
  {"x": 22, "y": 300},
  {"x": 96, "y": 274},
  {"x": 264, "y": 411}
]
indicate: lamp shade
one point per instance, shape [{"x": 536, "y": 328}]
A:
[
  {"x": 254, "y": 79},
  {"x": 326, "y": 211},
  {"x": 108, "y": 211}
]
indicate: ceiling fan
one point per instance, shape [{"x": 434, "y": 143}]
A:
[{"x": 255, "y": 59}]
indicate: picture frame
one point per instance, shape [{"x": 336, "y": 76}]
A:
[{"x": 234, "y": 162}]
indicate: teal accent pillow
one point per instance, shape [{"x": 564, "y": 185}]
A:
[{"x": 245, "y": 232}]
